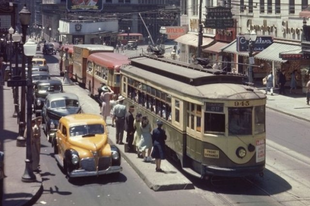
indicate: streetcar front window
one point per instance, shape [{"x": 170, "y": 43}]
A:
[
  {"x": 240, "y": 121},
  {"x": 259, "y": 119}
]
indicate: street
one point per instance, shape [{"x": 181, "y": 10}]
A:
[{"x": 286, "y": 179}]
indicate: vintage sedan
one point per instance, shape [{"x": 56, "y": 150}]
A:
[
  {"x": 56, "y": 106},
  {"x": 41, "y": 89},
  {"x": 40, "y": 75},
  {"x": 82, "y": 148}
]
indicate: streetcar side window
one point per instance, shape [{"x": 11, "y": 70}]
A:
[
  {"x": 177, "y": 110},
  {"x": 214, "y": 123},
  {"x": 259, "y": 119},
  {"x": 194, "y": 117}
]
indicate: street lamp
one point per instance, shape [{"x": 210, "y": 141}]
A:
[
  {"x": 251, "y": 38},
  {"x": 16, "y": 38},
  {"x": 99, "y": 37},
  {"x": 128, "y": 31},
  {"x": 29, "y": 50},
  {"x": 50, "y": 33},
  {"x": 11, "y": 32},
  {"x": 24, "y": 18}
]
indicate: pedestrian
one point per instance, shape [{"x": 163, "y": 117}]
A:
[
  {"x": 113, "y": 102},
  {"x": 129, "y": 127},
  {"x": 308, "y": 90},
  {"x": 293, "y": 81},
  {"x": 105, "y": 97},
  {"x": 281, "y": 82},
  {"x": 137, "y": 134},
  {"x": 117, "y": 48},
  {"x": 145, "y": 143},
  {"x": 269, "y": 83},
  {"x": 119, "y": 113},
  {"x": 158, "y": 138},
  {"x": 122, "y": 48}
]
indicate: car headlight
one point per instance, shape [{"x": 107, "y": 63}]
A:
[
  {"x": 115, "y": 155},
  {"x": 52, "y": 125},
  {"x": 74, "y": 159},
  {"x": 241, "y": 152},
  {"x": 39, "y": 102}
]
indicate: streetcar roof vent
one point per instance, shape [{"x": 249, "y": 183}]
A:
[{"x": 187, "y": 73}]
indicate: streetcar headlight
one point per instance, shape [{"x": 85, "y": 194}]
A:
[
  {"x": 52, "y": 125},
  {"x": 74, "y": 159},
  {"x": 115, "y": 155},
  {"x": 241, "y": 152}
]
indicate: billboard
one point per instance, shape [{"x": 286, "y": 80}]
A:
[
  {"x": 174, "y": 32},
  {"x": 84, "y": 5}
]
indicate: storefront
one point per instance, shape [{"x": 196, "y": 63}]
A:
[
  {"x": 299, "y": 61},
  {"x": 189, "y": 45}
]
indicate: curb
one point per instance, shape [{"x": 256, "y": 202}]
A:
[{"x": 154, "y": 186}]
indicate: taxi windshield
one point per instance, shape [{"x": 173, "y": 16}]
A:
[{"x": 86, "y": 130}]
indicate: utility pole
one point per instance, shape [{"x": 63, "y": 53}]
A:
[{"x": 200, "y": 30}]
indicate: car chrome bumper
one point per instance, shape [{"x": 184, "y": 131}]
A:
[{"x": 84, "y": 173}]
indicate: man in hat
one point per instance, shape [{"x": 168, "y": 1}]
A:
[
  {"x": 130, "y": 127},
  {"x": 118, "y": 116}
]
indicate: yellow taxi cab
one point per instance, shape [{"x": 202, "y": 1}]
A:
[
  {"x": 38, "y": 60},
  {"x": 81, "y": 147}
]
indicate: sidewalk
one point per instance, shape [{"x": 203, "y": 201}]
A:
[{"x": 18, "y": 193}]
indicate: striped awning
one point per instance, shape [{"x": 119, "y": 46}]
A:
[
  {"x": 215, "y": 48},
  {"x": 232, "y": 48},
  {"x": 192, "y": 40},
  {"x": 272, "y": 53}
]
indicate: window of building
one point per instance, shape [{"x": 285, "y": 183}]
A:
[
  {"x": 277, "y": 8},
  {"x": 250, "y": 6},
  {"x": 304, "y": 4},
  {"x": 209, "y": 3},
  {"x": 184, "y": 7},
  {"x": 269, "y": 6},
  {"x": 292, "y": 6},
  {"x": 120, "y": 1},
  {"x": 242, "y": 6},
  {"x": 108, "y": 1},
  {"x": 194, "y": 7},
  {"x": 262, "y": 6}
]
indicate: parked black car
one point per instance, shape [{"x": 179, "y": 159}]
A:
[
  {"x": 55, "y": 107},
  {"x": 41, "y": 90},
  {"x": 48, "y": 48}
]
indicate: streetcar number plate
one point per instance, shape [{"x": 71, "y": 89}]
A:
[{"x": 242, "y": 103}]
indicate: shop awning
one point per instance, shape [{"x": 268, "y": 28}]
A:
[
  {"x": 272, "y": 53},
  {"x": 232, "y": 48},
  {"x": 215, "y": 48},
  {"x": 192, "y": 40}
]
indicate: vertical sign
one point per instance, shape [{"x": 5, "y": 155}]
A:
[{"x": 260, "y": 150}]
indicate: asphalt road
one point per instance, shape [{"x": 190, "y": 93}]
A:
[{"x": 286, "y": 181}]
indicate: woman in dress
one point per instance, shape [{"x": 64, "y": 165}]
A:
[
  {"x": 105, "y": 97},
  {"x": 158, "y": 138},
  {"x": 137, "y": 135},
  {"x": 145, "y": 143}
]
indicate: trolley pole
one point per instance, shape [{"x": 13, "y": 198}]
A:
[{"x": 200, "y": 30}]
